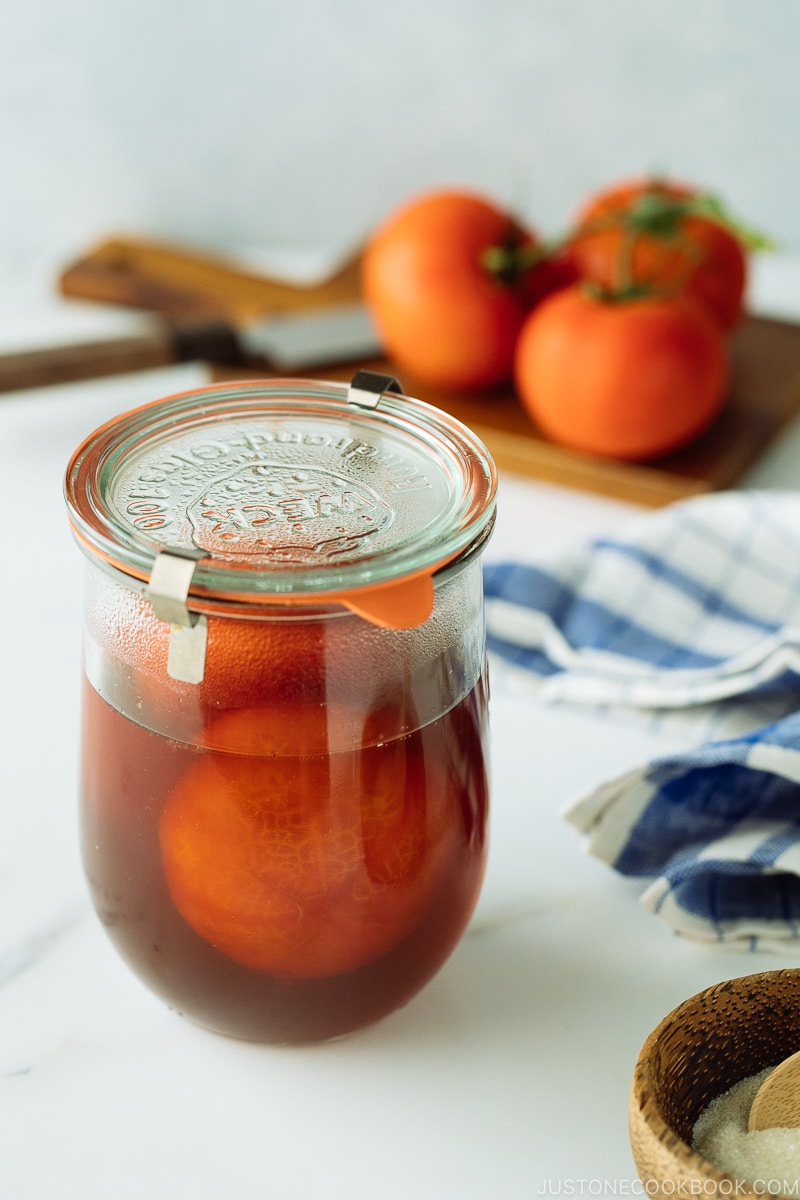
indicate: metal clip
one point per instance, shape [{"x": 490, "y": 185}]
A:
[
  {"x": 168, "y": 591},
  {"x": 367, "y": 388}
]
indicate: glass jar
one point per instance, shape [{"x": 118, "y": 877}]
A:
[{"x": 284, "y": 774}]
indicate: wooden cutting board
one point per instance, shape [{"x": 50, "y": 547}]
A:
[{"x": 764, "y": 395}]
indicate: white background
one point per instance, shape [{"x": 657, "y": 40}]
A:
[{"x": 254, "y": 121}]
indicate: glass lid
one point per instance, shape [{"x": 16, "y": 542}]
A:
[{"x": 283, "y": 489}]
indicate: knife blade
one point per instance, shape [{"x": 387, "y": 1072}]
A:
[{"x": 285, "y": 342}]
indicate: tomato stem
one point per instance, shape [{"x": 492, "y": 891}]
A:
[
  {"x": 655, "y": 213},
  {"x": 658, "y": 215},
  {"x": 510, "y": 263},
  {"x": 623, "y": 295},
  {"x": 662, "y": 216}
]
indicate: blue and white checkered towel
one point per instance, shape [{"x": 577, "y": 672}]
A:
[{"x": 696, "y": 608}]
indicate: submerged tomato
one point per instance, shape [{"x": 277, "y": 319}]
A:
[
  {"x": 300, "y": 863},
  {"x": 645, "y": 233},
  {"x": 627, "y": 379},
  {"x": 442, "y": 312}
]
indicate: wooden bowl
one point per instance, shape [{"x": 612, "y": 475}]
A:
[{"x": 701, "y": 1049}]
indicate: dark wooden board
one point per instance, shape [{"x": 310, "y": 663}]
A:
[{"x": 764, "y": 395}]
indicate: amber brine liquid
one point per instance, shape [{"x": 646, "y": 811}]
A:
[{"x": 275, "y": 878}]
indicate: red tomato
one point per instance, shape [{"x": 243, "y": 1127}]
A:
[
  {"x": 622, "y": 379},
  {"x": 442, "y": 313},
  {"x": 297, "y": 864},
  {"x": 672, "y": 249}
]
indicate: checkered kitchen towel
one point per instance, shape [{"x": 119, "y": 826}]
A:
[{"x": 696, "y": 608}]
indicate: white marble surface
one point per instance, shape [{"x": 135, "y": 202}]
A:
[{"x": 508, "y": 1076}]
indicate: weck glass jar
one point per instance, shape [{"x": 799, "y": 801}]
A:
[{"x": 284, "y": 772}]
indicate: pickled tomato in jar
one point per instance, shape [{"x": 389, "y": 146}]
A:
[{"x": 284, "y": 777}]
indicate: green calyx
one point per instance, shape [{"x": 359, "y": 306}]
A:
[
  {"x": 627, "y": 294},
  {"x": 653, "y": 213},
  {"x": 712, "y": 208},
  {"x": 511, "y": 260},
  {"x": 659, "y": 215}
]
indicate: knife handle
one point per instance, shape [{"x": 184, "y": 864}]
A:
[{"x": 159, "y": 347}]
